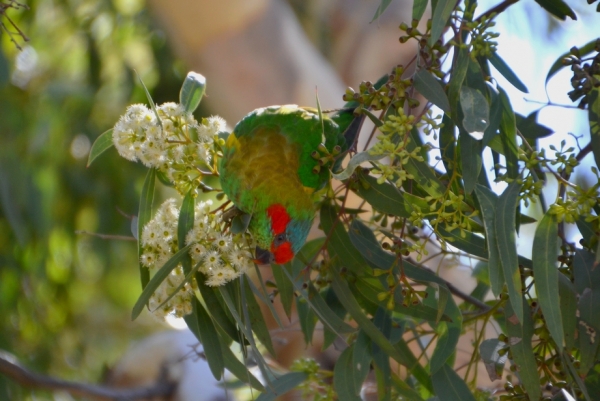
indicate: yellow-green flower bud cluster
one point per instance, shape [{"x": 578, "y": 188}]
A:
[
  {"x": 578, "y": 203},
  {"x": 217, "y": 254},
  {"x": 393, "y": 144},
  {"x": 170, "y": 140}
]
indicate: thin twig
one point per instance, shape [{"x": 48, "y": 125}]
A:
[
  {"x": 29, "y": 379},
  {"x": 106, "y": 236}
]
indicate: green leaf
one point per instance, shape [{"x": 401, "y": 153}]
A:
[
  {"x": 282, "y": 385},
  {"x": 459, "y": 73},
  {"x": 447, "y": 341},
  {"x": 344, "y": 378},
  {"x": 432, "y": 89},
  {"x": 506, "y": 72},
  {"x": 470, "y": 158},
  {"x": 158, "y": 278},
  {"x": 192, "y": 90},
  {"x": 589, "y": 326},
  {"x": 585, "y": 271},
  {"x": 257, "y": 321},
  {"x": 441, "y": 14},
  {"x": 594, "y": 119},
  {"x": 200, "y": 323},
  {"x": 307, "y": 318},
  {"x": 519, "y": 339},
  {"x": 558, "y": 8},
  {"x": 285, "y": 288},
  {"x": 382, "y": 6},
  {"x": 329, "y": 336},
  {"x": 244, "y": 324},
  {"x": 471, "y": 243},
  {"x": 449, "y": 386},
  {"x": 419, "y": 7},
  {"x": 488, "y": 201},
  {"x": 558, "y": 64},
  {"x": 568, "y": 309},
  {"x": 388, "y": 199},
  {"x": 339, "y": 243},
  {"x": 361, "y": 360},
  {"x": 492, "y": 360},
  {"x": 476, "y": 111},
  {"x": 545, "y": 272},
  {"x": 186, "y": 218},
  {"x": 240, "y": 223},
  {"x": 530, "y": 129},
  {"x": 507, "y": 245},
  {"x": 508, "y": 135},
  {"x": 402, "y": 356},
  {"x": 210, "y": 295},
  {"x": 356, "y": 161},
  {"x": 238, "y": 369},
  {"x": 144, "y": 216},
  {"x": 448, "y": 144},
  {"x": 101, "y": 144}
]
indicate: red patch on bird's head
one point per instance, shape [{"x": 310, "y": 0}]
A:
[
  {"x": 279, "y": 218},
  {"x": 283, "y": 253}
]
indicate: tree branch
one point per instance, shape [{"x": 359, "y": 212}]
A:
[{"x": 28, "y": 379}]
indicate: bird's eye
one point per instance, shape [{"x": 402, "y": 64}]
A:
[{"x": 279, "y": 239}]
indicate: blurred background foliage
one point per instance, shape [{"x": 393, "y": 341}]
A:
[{"x": 65, "y": 298}]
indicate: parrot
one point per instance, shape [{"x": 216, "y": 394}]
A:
[{"x": 270, "y": 170}]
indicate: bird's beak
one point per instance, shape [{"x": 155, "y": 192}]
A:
[{"x": 263, "y": 257}]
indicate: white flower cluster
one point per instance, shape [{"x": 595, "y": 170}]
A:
[
  {"x": 178, "y": 146},
  {"x": 215, "y": 253}
]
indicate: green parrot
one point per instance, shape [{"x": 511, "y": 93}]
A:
[{"x": 269, "y": 171}]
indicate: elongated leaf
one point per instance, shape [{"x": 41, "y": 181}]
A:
[
  {"x": 285, "y": 288},
  {"x": 589, "y": 327},
  {"x": 506, "y": 72},
  {"x": 215, "y": 308},
  {"x": 388, "y": 199},
  {"x": 447, "y": 341},
  {"x": 354, "y": 163},
  {"x": 545, "y": 271},
  {"x": 339, "y": 243},
  {"x": 431, "y": 88},
  {"x": 186, "y": 218},
  {"x": 585, "y": 271},
  {"x": 493, "y": 361},
  {"x": 441, "y": 14},
  {"x": 238, "y": 369},
  {"x": 282, "y": 385},
  {"x": 476, "y": 111},
  {"x": 471, "y": 243},
  {"x": 361, "y": 360},
  {"x": 203, "y": 328},
  {"x": 508, "y": 135},
  {"x": 448, "y": 143},
  {"x": 192, "y": 90},
  {"x": 495, "y": 116},
  {"x": 449, "y": 386},
  {"x": 382, "y": 6},
  {"x": 419, "y": 7},
  {"x": 402, "y": 356},
  {"x": 488, "y": 201},
  {"x": 329, "y": 336},
  {"x": 470, "y": 158},
  {"x": 529, "y": 127},
  {"x": 507, "y": 245},
  {"x": 568, "y": 309},
  {"x": 307, "y": 319},
  {"x": 519, "y": 338},
  {"x": 257, "y": 321},
  {"x": 244, "y": 326},
  {"x": 558, "y": 64},
  {"x": 594, "y": 119},
  {"x": 457, "y": 79},
  {"x": 144, "y": 216},
  {"x": 558, "y": 8},
  {"x": 101, "y": 144},
  {"x": 343, "y": 377},
  {"x": 158, "y": 278}
]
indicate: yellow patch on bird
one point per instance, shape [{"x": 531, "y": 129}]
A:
[{"x": 232, "y": 141}]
